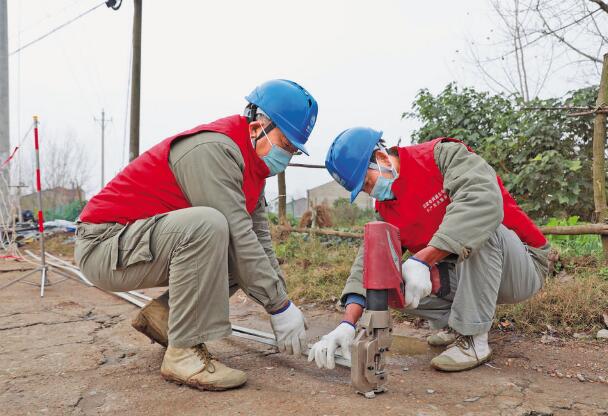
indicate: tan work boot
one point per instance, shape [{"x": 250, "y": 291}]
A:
[
  {"x": 196, "y": 367},
  {"x": 441, "y": 338},
  {"x": 153, "y": 321},
  {"x": 468, "y": 351}
]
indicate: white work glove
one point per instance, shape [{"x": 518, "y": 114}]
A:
[
  {"x": 323, "y": 351},
  {"x": 289, "y": 329},
  {"x": 417, "y": 276}
]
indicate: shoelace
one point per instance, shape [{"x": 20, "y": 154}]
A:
[
  {"x": 465, "y": 342},
  {"x": 204, "y": 354}
]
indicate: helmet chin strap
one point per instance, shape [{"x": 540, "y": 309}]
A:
[
  {"x": 263, "y": 133},
  {"x": 377, "y": 166}
]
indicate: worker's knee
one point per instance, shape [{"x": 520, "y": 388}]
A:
[{"x": 204, "y": 223}]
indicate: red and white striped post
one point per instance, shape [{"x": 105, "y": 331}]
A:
[{"x": 43, "y": 279}]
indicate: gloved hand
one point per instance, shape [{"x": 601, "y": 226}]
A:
[
  {"x": 417, "y": 276},
  {"x": 289, "y": 329},
  {"x": 323, "y": 351}
]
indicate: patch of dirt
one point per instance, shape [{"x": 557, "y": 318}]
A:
[{"x": 74, "y": 352}]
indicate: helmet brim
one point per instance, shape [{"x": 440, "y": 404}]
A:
[
  {"x": 298, "y": 146},
  {"x": 355, "y": 192}
]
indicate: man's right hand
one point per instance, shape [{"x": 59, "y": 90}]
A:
[{"x": 323, "y": 351}]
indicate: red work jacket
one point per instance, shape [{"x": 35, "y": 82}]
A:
[
  {"x": 421, "y": 201},
  {"x": 147, "y": 186}
]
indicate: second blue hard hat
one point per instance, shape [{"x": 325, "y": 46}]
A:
[{"x": 349, "y": 156}]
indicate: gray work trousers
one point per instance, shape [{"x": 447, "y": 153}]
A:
[
  {"x": 186, "y": 250},
  {"x": 501, "y": 271}
]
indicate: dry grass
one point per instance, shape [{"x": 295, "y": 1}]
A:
[
  {"x": 323, "y": 214},
  {"x": 315, "y": 268},
  {"x": 573, "y": 301}
]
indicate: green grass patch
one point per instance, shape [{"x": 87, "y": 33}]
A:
[
  {"x": 315, "y": 268},
  {"x": 574, "y": 245}
]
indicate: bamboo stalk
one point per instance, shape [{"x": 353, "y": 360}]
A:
[
  {"x": 320, "y": 231},
  {"x": 584, "y": 229},
  {"x": 599, "y": 163}
]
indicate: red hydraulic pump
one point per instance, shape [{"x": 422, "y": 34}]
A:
[{"x": 384, "y": 288}]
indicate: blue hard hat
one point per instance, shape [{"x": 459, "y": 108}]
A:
[
  {"x": 289, "y": 106},
  {"x": 348, "y": 157}
]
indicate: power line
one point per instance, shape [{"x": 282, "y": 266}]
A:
[{"x": 57, "y": 28}]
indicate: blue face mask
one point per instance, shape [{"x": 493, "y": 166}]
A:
[
  {"x": 277, "y": 158},
  {"x": 382, "y": 189}
]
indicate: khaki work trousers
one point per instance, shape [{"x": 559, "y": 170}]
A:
[
  {"x": 502, "y": 271},
  {"x": 186, "y": 250}
]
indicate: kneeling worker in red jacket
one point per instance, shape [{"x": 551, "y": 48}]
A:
[
  {"x": 453, "y": 212},
  {"x": 189, "y": 214}
]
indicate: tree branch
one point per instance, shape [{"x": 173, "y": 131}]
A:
[
  {"x": 563, "y": 39},
  {"x": 602, "y": 5}
]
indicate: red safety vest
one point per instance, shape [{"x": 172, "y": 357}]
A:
[
  {"x": 421, "y": 201},
  {"x": 147, "y": 186}
]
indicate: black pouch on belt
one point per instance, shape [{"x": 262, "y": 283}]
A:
[{"x": 444, "y": 278}]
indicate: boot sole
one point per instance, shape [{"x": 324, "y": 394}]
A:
[
  {"x": 202, "y": 387},
  {"x": 140, "y": 324},
  {"x": 457, "y": 369}
]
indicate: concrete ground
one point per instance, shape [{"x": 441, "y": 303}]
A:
[{"x": 74, "y": 352}]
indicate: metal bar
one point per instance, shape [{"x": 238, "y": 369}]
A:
[
  {"x": 140, "y": 295},
  {"x": 128, "y": 298},
  {"x": 306, "y": 165},
  {"x": 253, "y": 332},
  {"x": 19, "y": 278}
]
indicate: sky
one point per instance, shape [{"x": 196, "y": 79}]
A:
[{"x": 363, "y": 61}]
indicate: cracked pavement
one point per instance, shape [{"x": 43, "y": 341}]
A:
[{"x": 74, "y": 352}]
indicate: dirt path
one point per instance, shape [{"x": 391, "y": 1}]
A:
[{"x": 74, "y": 352}]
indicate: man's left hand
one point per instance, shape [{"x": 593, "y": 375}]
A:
[{"x": 417, "y": 276}]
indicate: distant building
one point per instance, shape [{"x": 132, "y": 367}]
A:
[
  {"x": 295, "y": 207},
  {"x": 51, "y": 198},
  {"x": 327, "y": 193}
]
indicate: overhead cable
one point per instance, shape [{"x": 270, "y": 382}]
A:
[{"x": 110, "y": 3}]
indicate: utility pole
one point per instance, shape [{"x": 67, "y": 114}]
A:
[
  {"x": 5, "y": 142},
  {"x": 136, "y": 81},
  {"x": 282, "y": 199},
  {"x": 103, "y": 121}
]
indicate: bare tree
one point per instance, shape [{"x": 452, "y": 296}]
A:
[
  {"x": 64, "y": 164},
  {"x": 537, "y": 40}
]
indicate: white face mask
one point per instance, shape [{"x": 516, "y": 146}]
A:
[
  {"x": 382, "y": 190},
  {"x": 277, "y": 159}
]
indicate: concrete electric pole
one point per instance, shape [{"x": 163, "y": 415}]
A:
[
  {"x": 136, "y": 82},
  {"x": 103, "y": 120},
  {"x": 5, "y": 142}
]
